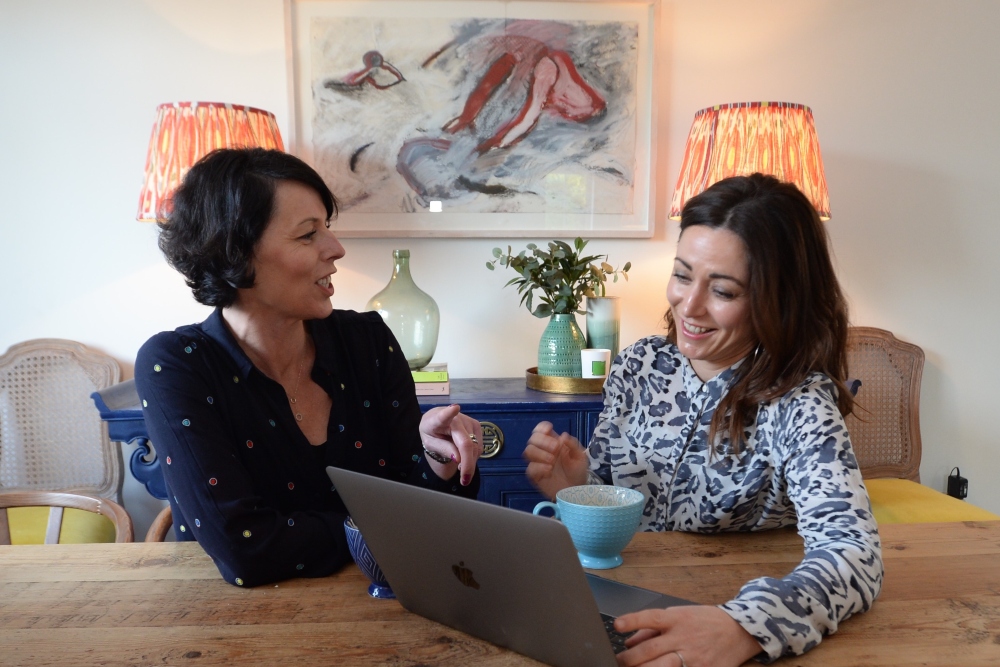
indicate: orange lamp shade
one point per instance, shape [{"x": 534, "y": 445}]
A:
[
  {"x": 184, "y": 132},
  {"x": 776, "y": 138}
]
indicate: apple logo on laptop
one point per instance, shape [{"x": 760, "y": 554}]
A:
[{"x": 464, "y": 575}]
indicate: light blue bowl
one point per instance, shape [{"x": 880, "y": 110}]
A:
[
  {"x": 366, "y": 562},
  {"x": 601, "y": 520}
]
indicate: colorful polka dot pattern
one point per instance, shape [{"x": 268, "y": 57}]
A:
[{"x": 260, "y": 441}]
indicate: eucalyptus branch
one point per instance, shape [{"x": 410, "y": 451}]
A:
[{"x": 556, "y": 280}]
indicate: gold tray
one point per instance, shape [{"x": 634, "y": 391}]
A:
[{"x": 559, "y": 385}]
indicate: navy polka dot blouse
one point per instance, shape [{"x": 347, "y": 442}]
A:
[{"x": 243, "y": 479}]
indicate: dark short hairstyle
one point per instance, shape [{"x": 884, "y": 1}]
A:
[
  {"x": 797, "y": 310},
  {"x": 220, "y": 212}
]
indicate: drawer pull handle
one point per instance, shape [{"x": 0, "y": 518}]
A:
[{"x": 492, "y": 440}]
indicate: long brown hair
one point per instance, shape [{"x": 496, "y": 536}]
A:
[{"x": 797, "y": 310}]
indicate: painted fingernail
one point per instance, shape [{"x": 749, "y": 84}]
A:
[
  {"x": 466, "y": 479},
  {"x": 453, "y": 458}
]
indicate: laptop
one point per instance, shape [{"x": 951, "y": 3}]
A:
[{"x": 502, "y": 575}]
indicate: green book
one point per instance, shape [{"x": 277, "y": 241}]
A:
[{"x": 431, "y": 373}]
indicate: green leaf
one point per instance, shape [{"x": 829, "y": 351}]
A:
[
  {"x": 628, "y": 265},
  {"x": 556, "y": 277}
]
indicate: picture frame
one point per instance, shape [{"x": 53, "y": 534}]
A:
[{"x": 477, "y": 118}]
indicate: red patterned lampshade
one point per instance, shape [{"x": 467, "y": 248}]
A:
[
  {"x": 184, "y": 132},
  {"x": 776, "y": 138}
]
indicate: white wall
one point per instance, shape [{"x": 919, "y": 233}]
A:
[{"x": 904, "y": 94}]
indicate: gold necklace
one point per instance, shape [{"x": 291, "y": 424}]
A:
[{"x": 294, "y": 399}]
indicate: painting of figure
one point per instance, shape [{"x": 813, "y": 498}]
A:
[{"x": 486, "y": 115}]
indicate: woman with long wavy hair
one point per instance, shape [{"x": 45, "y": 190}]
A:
[{"x": 734, "y": 421}]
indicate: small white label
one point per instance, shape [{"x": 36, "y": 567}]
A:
[{"x": 435, "y": 207}]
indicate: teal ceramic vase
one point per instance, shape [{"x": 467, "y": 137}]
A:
[
  {"x": 559, "y": 347},
  {"x": 410, "y": 313}
]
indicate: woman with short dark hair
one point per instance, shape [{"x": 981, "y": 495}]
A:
[
  {"x": 220, "y": 212},
  {"x": 734, "y": 421},
  {"x": 248, "y": 408}
]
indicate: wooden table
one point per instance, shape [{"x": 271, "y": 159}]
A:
[{"x": 146, "y": 604}]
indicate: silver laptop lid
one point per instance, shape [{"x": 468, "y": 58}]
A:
[{"x": 505, "y": 576}]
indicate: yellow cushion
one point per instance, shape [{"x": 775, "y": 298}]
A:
[
  {"x": 27, "y": 526},
  {"x": 903, "y": 501}
]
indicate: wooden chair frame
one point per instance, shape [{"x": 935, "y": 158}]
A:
[
  {"x": 58, "y": 466},
  {"x": 161, "y": 525},
  {"x": 57, "y": 502},
  {"x": 885, "y": 424}
]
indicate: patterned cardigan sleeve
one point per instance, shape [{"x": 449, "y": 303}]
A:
[{"x": 841, "y": 571}]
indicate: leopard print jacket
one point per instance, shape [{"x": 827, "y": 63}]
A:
[{"x": 797, "y": 468}]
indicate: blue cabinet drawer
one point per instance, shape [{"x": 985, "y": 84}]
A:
[
  {"x": 509, "y": 488},
  {"x": 509, "y": 411},
  {"x": 515, "y": 429}
]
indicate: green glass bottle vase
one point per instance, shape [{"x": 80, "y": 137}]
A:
[
  {"x": 559, "y": 347},
  {"x": 410, "y": 313}
]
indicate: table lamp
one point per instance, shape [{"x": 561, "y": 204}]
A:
[
  {"x": 776, "y": 138},
  {"x": 184, "y": 132}
]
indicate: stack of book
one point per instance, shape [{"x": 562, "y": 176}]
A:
[{"x": 432, "y": 380}]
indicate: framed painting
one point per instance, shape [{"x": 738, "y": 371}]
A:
[{"x": 477, "y": 118}]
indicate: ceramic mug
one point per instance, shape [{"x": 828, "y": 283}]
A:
[
  {"x": 601, "y": 520},
  {"x": 366, "y": 562}
]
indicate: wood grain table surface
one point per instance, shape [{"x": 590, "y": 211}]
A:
[{"x": 164, "y": 603}]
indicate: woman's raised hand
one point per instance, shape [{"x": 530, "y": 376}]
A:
[
  {"x": 555, "y": 460},
  {"x": 685, "y": 637},
  {"x": 448, "y": 432}
]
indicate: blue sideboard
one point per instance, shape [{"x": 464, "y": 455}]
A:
[{"x": 507, "y": 409}]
